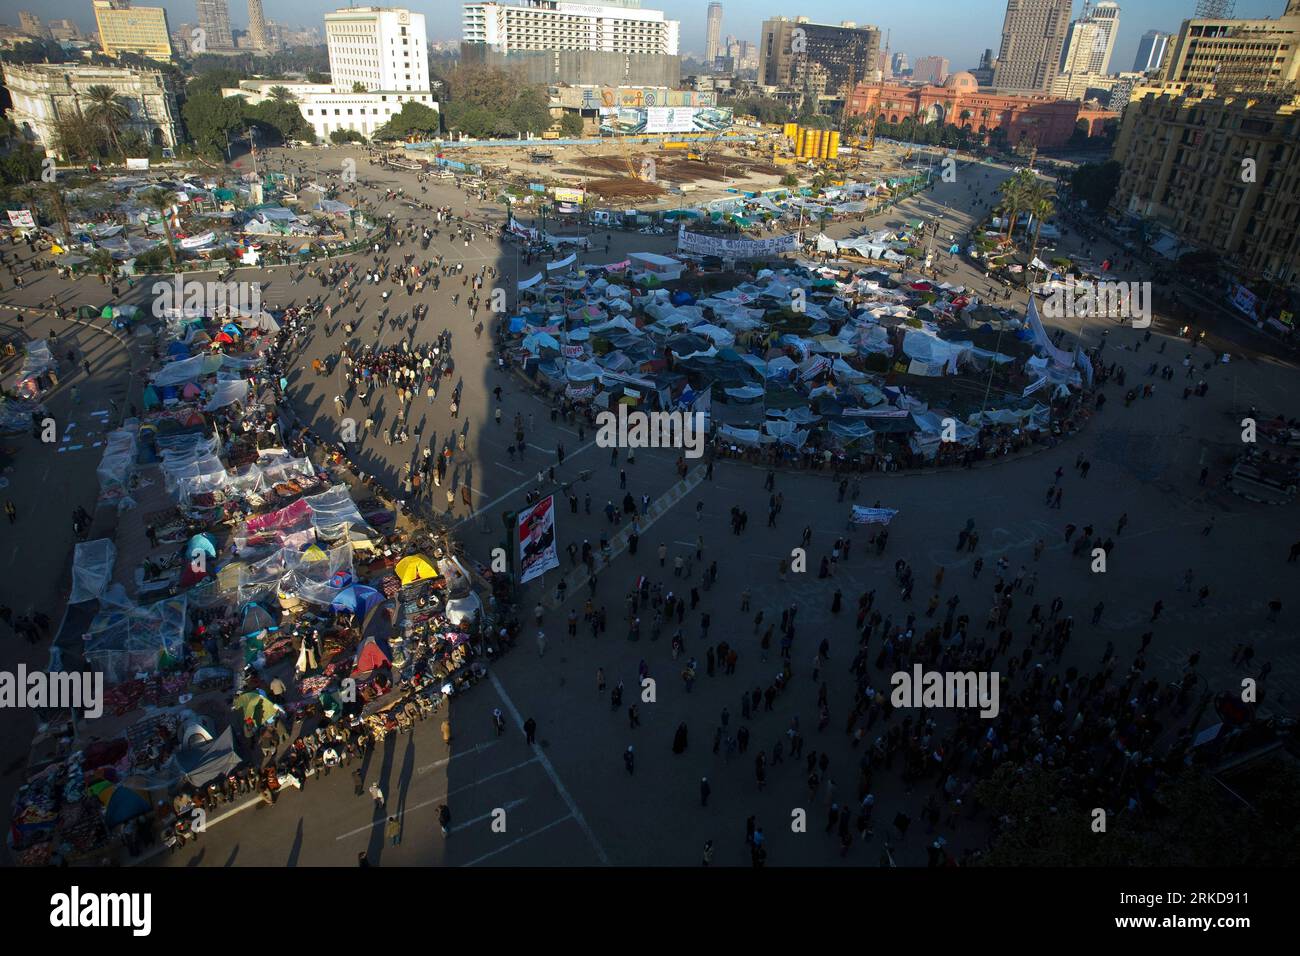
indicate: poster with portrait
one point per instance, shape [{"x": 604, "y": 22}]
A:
[{"x": 536, "y": 535}]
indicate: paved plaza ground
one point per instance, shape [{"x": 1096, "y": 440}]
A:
[{"x": 569, "y": 800}]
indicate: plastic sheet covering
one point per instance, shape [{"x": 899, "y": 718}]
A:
[
  {"x": 92, "y": 568},
  {"x": 227, "y": 393},
  {"x": 37, "y": 360},
  {"x": 310, "y": 579},
  {"x": 125, "y": 641},
  {"x": 743, "y": 436},
  {"x": 187, "y": 370},
  {"x": 16, "y": 414},
  {"x": 334, "y": 507},
  {"x": 117, "y": 464},
  {"x": 853, "y": 431}
]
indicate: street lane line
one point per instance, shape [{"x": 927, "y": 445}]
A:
[
  {"x": 526, "y": 836},
  {"x": 550, "y": 771},
  {"x": 478, "y": 748},
  {"x": 519, "y": 487},
  {"x": 419, "y": 806},
  {"x": 488, "y": 816}
]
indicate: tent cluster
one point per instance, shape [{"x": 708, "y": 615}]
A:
[{"x": 806, "y": 357}]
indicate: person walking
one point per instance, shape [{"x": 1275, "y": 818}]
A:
[
  {"x": 530, "y": 731},
  {"x": 707, "y": 859},
  {"x": 541, "y": 643},
  {"x": 629, "y": 760},
  {"x": 444, "y": 819},
  {"x": 705, "y": 790},
  {"x": 393, "y": 830},
  {"x": 378, "y": 794},
  {"x": 498, "y": 721}
]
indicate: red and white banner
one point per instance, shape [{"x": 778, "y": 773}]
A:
[{"x": 536, "y": 536}]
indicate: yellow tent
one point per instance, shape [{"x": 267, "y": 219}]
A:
[
  {"x": 314, "y": 553},
  {"x": 415, "y": 567}
]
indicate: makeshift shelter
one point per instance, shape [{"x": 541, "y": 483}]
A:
[
  {"x": 122, "y": 804},
  {"x": 415, "y": 567},
  {"x": 257, "y": 707},
  {"x": 373, "y": 654},
  {"x": 209, "y": 760},
  {"x": 358, "y": 599}
]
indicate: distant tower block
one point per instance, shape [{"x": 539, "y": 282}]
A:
[
  {"x": 257, "y": 34},
  {"x": 1215, "y": 9}
]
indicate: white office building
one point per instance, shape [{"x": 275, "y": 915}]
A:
[
  {"x": 615, "y": 26},
  {"x": 381, "y": 48}
]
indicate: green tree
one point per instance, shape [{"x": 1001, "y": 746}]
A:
[
  {"x": 281, "y": 94},
  {"x": 571, "y": 125},
  {"x": 209, "y": 118},
  {"x": 1096, "y": 183},
  {"x": 1040, "y": 201},
  {"x": 414, "y": 119},
  {"x": 110, "y": 112},
  {"x": 161, "y": 201},
  {"x": 358, "y": 87}
]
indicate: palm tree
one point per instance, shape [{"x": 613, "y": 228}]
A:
[
  {"x": 54, "y": 196},
  {"x": 282, "y": 94},
  {"x": 1041, "y": 207},
  {"x": 110, "y": 111},
  {"x": 1016, "y": 196},
  {"x": 160, "y": 201}
]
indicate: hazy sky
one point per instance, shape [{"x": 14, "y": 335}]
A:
[{"x": 957, "y": 29}]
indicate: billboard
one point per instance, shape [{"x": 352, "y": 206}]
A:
[
  {"x": 536, "y": 536},
  {"x": 669, "y": 119},
  {"x": 564, "y": 194}
]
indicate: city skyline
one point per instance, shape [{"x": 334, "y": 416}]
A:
[{"x": 967, "y": 27}]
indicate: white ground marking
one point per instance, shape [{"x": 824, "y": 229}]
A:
[
  {"x": 526, "y": 836},
  {"x": 550, "y": 772}
]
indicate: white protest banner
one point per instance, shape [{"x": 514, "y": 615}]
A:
[
  {"x": 706, "y": 245},
  {"x": 21, "y": 219},
  {"x": 873, "y": 515},
  {"x": 529, "y": 283},
  {"x": 197, "y": 242},
  {"x": 571, "y": 351},
  {"x": 561, "y": 263}
]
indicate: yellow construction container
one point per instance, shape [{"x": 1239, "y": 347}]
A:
[
  {"x": 813, "y": 142},
  {"x": 833, "y": 146},
  {"x": 800, "y": 135},
  {"x": 669, "y": 144},
  {"x": 790, "y": 130}
]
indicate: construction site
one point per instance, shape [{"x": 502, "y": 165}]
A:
[{"x": 663, "y": 172}]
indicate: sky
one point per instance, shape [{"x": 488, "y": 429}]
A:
[{"x": 957, "y": 29}]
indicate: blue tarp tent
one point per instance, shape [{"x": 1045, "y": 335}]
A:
[{"x": 358, "y": 599}]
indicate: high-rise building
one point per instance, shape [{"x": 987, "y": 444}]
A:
[
  {"x": 713, "y": 33},
  {"x": 380, "y": 48},
  {"x": 831, "y": 59},
  {"x": 1106, "y": 16},
  {"x": 898, "y": 64},
  {"x": 1181, "y": 160},
  {"x": 1237, "y": 54},
  {"x": 127, "y": 29},
  {"x": 930, "y": 69},
  {"x": 1151, "y": 51},
  {"x": 214, "y": 21},
  {"x": 610, "y": 43},
  {"x": 1033, "y": 35},
  {"x": 31, "y": 25},
  {"x": 64, "y": 30},
  {"x": 1089, "y": 43},
  {"x": 257, "y": 32},
  {"x": 984, "y": 72}
]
